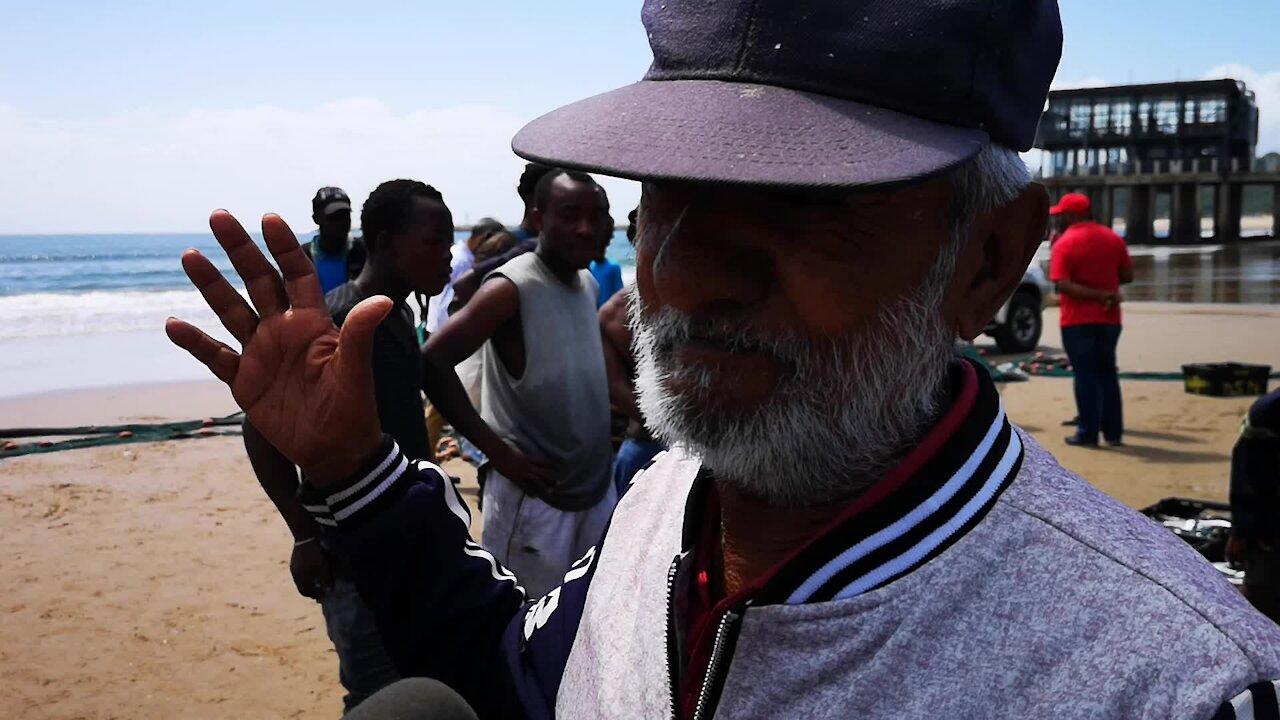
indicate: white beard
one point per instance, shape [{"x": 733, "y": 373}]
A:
[{"x": 846, "y": 413}]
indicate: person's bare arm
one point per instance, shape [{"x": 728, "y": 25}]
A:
[
  {"x": 1075, "y": 290},
  {"x": 308, "y": 563},
  {"x": 462, "y": 335},
  {"x": 615, "y": 337},
  {"x": 467, "y": 285},
  {"x": 279, "y": 478},
  {"x": 1126, "y": 275}
]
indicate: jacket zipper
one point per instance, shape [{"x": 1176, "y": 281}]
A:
[
  {"x": 673, "y": 661},
  {"x": 721, "y": 653}
]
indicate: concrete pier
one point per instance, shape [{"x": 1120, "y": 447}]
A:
[{"x": 1183, "y": 183}]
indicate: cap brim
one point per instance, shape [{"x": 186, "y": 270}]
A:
[
  {"x": 743, "y": 133},
  {"x": 337, "y": 206},
  {"x": 1057, "y": 210}
]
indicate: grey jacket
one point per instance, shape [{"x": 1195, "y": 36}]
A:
[{"x": 1059, "y": 603}]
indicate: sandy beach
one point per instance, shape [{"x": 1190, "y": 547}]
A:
[{"x": 151, "y": 580}]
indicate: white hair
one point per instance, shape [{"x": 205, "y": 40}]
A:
[
  {"x": 992, "y": 179},
  {"x": 849, "y": 406}
]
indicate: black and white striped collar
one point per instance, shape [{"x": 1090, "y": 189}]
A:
[{"x": 930, "y": 500}]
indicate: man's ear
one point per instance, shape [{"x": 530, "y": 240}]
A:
[
  {"x": 998, "y": 249},
  {"x": 381, "y": 243},
  {"x": 535, "y": 221}
]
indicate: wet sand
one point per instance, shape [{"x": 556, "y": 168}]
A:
[{"x": 151, "y": 580}]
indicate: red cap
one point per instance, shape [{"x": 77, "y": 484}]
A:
[{"x": 1071, "y": 203}]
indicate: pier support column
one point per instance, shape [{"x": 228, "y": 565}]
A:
[
  {"x": 1230, "y": 203},
  {"x": 1094, "y": 193},
  {"x": 1137, "y": 224},
  {"x": 1103, "y": 211},
  {"x": 1184, "y": 228}
]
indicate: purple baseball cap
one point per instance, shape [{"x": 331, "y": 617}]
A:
[{"x": 814, "y": 93}]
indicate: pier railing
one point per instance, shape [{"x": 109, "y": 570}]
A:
[{"x": 1251, "y": 170}]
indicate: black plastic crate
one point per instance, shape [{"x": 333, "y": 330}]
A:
[{"x": 1226, "y": 379}]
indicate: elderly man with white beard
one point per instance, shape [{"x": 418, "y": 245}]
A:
[{"x": 848, "y": 525}]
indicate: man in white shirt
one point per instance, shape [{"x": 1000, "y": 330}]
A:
[{"x": 464, "y": 256}]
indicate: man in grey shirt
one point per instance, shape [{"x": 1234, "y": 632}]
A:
[{"x": 544, "y": 422}]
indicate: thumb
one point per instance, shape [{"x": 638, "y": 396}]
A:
[{"x": 355, "y": 339}]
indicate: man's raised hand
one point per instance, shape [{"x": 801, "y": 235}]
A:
[{"x": 307, "y": 387}]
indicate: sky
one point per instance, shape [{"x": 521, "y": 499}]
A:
[{"x": 142, "y": 116}]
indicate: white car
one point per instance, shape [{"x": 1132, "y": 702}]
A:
[{"x": 1019, "y": 323}]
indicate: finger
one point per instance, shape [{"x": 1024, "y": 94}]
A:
[
  {"x": 355, "y": 339},
  {"x": 260, "y": 278},
  {"x": 300, "y": 280},
  {"x": 221, "y": 360},
  {"x": 237, "y": 317}
]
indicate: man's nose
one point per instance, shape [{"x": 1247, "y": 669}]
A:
[{"x": 700, "y": 265}]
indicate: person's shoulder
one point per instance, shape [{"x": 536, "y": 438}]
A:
[
  {"x": 1265, "y": 412},
  {"x": 616, "y": 306},
  {"x": 522, "y": 261},
  {"x": 1133, "y": 566},
  {"x": 1109, "y": 233},
  {"x": 498, "y": 294},
  {"x": 1071, "y": 234},
  {"x": 1065, "y": 243},
  {"x": 340, "y": 300},
  {"x": 1094, "y": 230}
]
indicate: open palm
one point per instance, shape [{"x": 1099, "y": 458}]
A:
[{"x": 306, "y": 386}]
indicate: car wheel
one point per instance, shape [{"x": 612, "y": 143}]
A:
[{"x": 1022, "y": 326}]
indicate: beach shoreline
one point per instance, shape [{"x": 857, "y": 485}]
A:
[{"x": 115, "y": 404}]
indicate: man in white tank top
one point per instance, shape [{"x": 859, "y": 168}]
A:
[{"x": 545, "y": 398}]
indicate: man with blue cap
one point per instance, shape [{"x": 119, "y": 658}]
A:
[{"x": 848, "y": 524}]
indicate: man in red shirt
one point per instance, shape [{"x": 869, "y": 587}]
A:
[{"x": 1089, "y": 264}]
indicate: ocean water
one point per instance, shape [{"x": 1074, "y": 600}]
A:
[
  {"x": 85, "y": 311},
  {"x": 70, "y": 285}
]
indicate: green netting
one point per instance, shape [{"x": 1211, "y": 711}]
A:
[
  {"x": 98, "y": 435},
  {"x": 1041, "y": 365}
]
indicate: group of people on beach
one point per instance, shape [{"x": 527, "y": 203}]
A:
[
  {"x": 847, "y": 525},
  {"x": 522, "y": 347}
]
